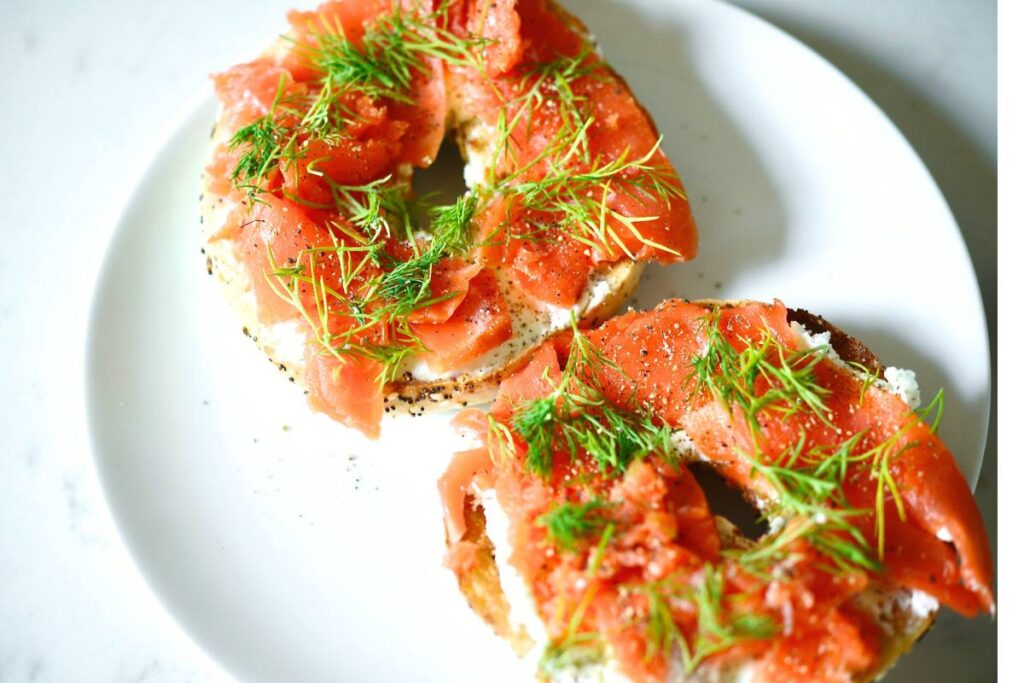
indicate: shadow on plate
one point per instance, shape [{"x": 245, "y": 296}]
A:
[{"x": 963, "y": 171}]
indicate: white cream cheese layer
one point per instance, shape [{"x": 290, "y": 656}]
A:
[
  {"x": 897, "y": 381},
  {"x": 531, "y": 322}
]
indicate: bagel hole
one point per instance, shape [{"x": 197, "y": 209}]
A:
[
  {"x": 725, "y": 500},
  {"x": 443, "y": 182}
]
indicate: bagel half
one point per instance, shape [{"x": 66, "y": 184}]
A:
[
  {"x": 415, "y": 388},
  {"x": 496, "y": 591}
]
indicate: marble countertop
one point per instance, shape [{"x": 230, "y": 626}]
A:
[{"x": 84, "y": 87}]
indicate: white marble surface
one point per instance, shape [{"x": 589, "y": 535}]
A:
[{"x": 87, "y": 91}]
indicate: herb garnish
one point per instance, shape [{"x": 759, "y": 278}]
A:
[
  {"x": 719, "y": 627},
  {"x": 575, "y": 651},
  {"x": 577, "y": 419},
  {"x": 575, "y": 648},
  {"x": 381, "y": 66},
  {"x": 763, "y": 376},
  {"x": 569, "y": 524},
  {"x": 376, "y": 307},
  {"x": 807, "y": 482},
  {"x": 810, "y": 498}
]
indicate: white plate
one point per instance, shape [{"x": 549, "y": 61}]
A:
[{"x": 293, "y": 549}]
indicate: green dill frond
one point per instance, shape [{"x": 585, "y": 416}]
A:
[
  {"x": 536, "y": 423},
  {"x": 391, "y": 356},
  {"x": 574, "y": 193},
  {"x": 933, "y": 411},
  {"x": 264, "y": 143},
  {"x": 379, "y": 209},
  {"x": 807, "y": 484},
  {"x": 569, "y": 524},
  {"x": 663, "y": 634},
  {"x": 450, "y": 224},
  {"x": 598, "y": 555},
  {"x": 575, "y": 651},
  {"x": 881, "y": 458},
  {"x": 498, "y": 432},
  {"x": 544, "y": 82},
  {"x": 560, "y": 73},
  {"x": 575, "y": 648},
  {"x": 731, "y": 375},
  {"x": 382, "y": 66},
  {"x": 869, "y": 378},
  {"x": 577, "y": 419},
  {"x": 383, "y": 301},
  {"x": 613, "y": 438},
  {"x": 719, "y": 626}
]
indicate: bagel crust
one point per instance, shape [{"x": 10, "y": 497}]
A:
[
  {"x": 900, "y": 614},
  {"x": 412, "y": 387}
]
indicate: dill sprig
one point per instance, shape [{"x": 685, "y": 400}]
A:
[
  {"x": 868, "y": 379},
  {"x": 574, "y": 648},
  {"x": 264, "y": 143},
  {"x": 382, "y": 66},
  {"x": 577, "y": 419},
  {"x": 807, "y": 482},
  {"x": 450, "y": 223},
  {"x": 569, "y": 524},
  {"x": 576, "y": 651},
  {"x": 557, "y": 76},
  {"x": 573, "y": 195},
  {"x": 405, "y": 285},
  {"x": 576, "y": 198},
  {"x": 788, "y": 384},
  {"x": 880, "y": 458},
  {"x": 719, "y": 626},
  {"x": 377, "y": 208},
  {"x": 602, "y": 545},
  {"x": 810, "y": 498},
  {"x": 933, "y": 411},
  {"x": 377, "y": 291}
]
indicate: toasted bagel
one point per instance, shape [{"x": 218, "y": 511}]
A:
[
  {"x": 411, "y": 384},
  {"x": 479, "y": 552}
]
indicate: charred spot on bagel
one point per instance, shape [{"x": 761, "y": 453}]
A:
[{"x": 848, "y": 348}]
